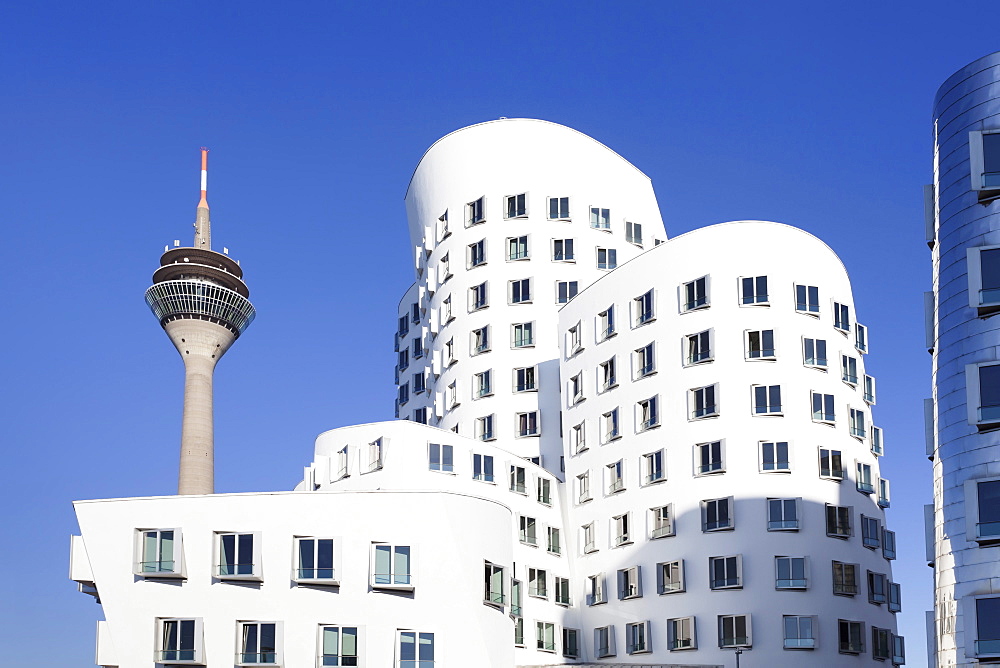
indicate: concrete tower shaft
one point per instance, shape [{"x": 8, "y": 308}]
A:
[{"x": 201, "y": 301}]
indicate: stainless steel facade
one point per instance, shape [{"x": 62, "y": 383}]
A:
[{"x": 959, "y": 218}]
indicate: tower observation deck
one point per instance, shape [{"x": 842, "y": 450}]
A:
[{"x": 201, "y": 301}]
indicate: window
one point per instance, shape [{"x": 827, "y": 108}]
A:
[
  {"x": 982, "y": 499},
  {"x": 883, "y": 493},
  {"x": 652, "y": 468},
  {"x": 841, "y": 317},
  {"x": 616, "y": 477},
  {"x": 753, "y": 290},
  {"x": 694, "y": 294},
  {"x": 579, "y": 437},
  {"x": 522, "y": 335},
  {"x": 845, "y": 579},
  {"x": 545, "y": 636},
  {"x": 527, "y": 424},
  {"x": 629, "y": 583},
  {"x": 807, "y": 299},
  {"x": 445, "y": 265},
  {"x": 645, "y": 361},
  {"x": 589, "y": 544},
  {"x": 526, "y": 530},
  {"x": 565, "y": 290},
  {"x": 876, "y": 441},
  {"x": 238, "y": 556},
  {"x": 420, "y": 415},
  {"x": 475, "y": 212},
  {"x": 622, "y": 527},
  {"x": 571, "y": 643},
  {"x": 984, "y": 159},
  {"x": 403, "y": 393},
  {"x": 767, "y": 400},
  {"x": 477, "y": 253},
  {"x": 782, "y": 514},
  {"x": 822, "y": 407},
  {"x": 702, "y": 402},
  {"x": 606, "y": 323},
  {"x": 799, "y": 632},
  {"x": 760, "y": 344},
  {"x": 519, "y": 631},
  {"x": 416, "y": 650},
  {"x": 419, "y": 382},
  {"x": 404, "y": 327},
  {"x": 670, "y": 577},
  {"x": 877, "y": 588},
  {"x": 851, "y": 636},
  {"x": 315, "y": 560},
  {"x": 982, "y": 383},
  {"x": 609, "y": 421},
  {"x": 493, "y": 585},
  {"x": 595, "y": 590},
  {"x": 562, "y": 591},
  {"x": 983, "y": 264},
  {"x": 608, "y": 375},
  {"x": 644, "y": 308},
  {"x": 604, "y": 641},
  {"x": 898, "y": 650},
  {"x": 415, "y": 313},
  {"x": 699, "y": 347},
  {"x": 157, "y": 549},
  {"x": 441, "y": 458},
  {"x": 517, "y": 479},
  {"x": 451, "y": 395},
  {"x": 838, "y": 521},
  {"x": 633, "y": 233},
  {"x": 680, "y": 633},
  {"x": 477, "y": 297},
  {"x": 881, "y": 643},
  {"x": 865, "y": 485},
  {"x": 576, "y": 388},
  {"x": 814, "y": 352},
  {"x": 482, "y": 384},
  {"x": 831, "y": 464},
  {"x": 647, "y": 414},
  {"x": 895, "y": 597},
  {"x": 519, "y": 291},
  {"x": 338, "y": 645},
  {"x": 562, "y": 250},
  {"x": 342, "y": 463},
  {"x": 888, "y": 544},
  {"x": 449, "y": 352},
  {"x": 481, "y": 340},
  {"x": 849, "y": 369},
  {"x": 404, "y": 359},
  {"x": 987, "y": 626},
  {"x": 559, "y": 208},
  {"x": 375, "y": 455},
  {"x": 484, "y": 428},
  {"x": 418, "y": 348},
  {"x": 600, "y": 219},
  {"x": 661, "y": 521},
  {"x": 774, "y": 456},
  {"x": 717, "y": 514},
  {"x": 258, "y": 644},
  {"x": 392, "y": 566},
  {"x": 725, "y": 572},
  {"x": 709, "y": 458},
  {"x": 517, "y": 248},
  {"x": 790, "y": 573},
  {"x": 734, "y": 631},
  {"x": 861, "y": 337},
  {"x": 607, "y": 258},
  {"x": 583, "y": 487},
  {"x": 637, "y": 637},
  {"x": 538, "y": 583},
  {"x": 516, "y": 206},
  {"x": 179, "y": 640},
  {"x": 516, "y": 597},
  {"x": 524, "y": 379},
  {"x": 482, "y": 467},
  {"x": 554, "y": 541}
]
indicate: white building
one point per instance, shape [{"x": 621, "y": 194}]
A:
[{"x": 706, "y": 405}]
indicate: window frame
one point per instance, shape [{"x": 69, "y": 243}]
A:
[
  {"x": 661, "y": 521},
  {"x": 564, "y": 249},
  {"x": 260, "y": 656},
  {"x": 629, "y": 583},
  {"x": 600, "y": 218},
  {"x": 814, "y": 362},
  {"x": 839, "y": 529},
  {"x": 974, "y": 531},
  {"x": 764, "y": 354},
  {"x": 694, "y": 352},
  {"x": 339, "y": 656},
  {"x": 475, "y": 254},
  {"x": 177, "y": 565},
  {"x": 475, "y": 211},
  {"x": 791, "y": 583},
  {"x": 523, "y": 289},
  {"x": 637, "y": 638},
  {"x": 662, "y": 569},
  {"x": 798, "y": 642},
  {"x": 755, "y": 299},
  {"x": 399, "y": 581},
  {"x": 445, "y": 454},
  {"x": 520, "y": 255},
  {"x": 973, "y": 395},
  {"x": 335, "y": 561},
  {"x": 714, "y": 466},
  {"x": 769, "y": 394},
  {"x": 566, "y": 291},
  {"x": 784, "y": 524},
  {"x": 653, "y": 463},
  {"x": 674, "y": 642},
  {"x": 522, "y": 335},
  {"x": 558, "y": 208},
  {"x": 695, "y": 295},
  {"x": 606, "y": 325},
  {"x": 775, "y": 465},
  {"x": 712, "y": 527},
  {"x": 418, "y": 645},
  {"x": 747, "y": 640},
  {"x": 520, "y": 208},
  {"x": 196, "y": 654},
  {"x": 610, "y": 258},
  {"x": 708, "y": 410},
  {"x": 849, "y": 647},
  {"x": 644, "y": 308},
  {"x": 645, "y": 360},
  {"x": 255, "y": 572},
  {"x": 807, "y": 305},
  {"x": 974, "y": 267},
  {"x": 479, "y": 297},
  {"x": 842, "y": 585},
  {"x": 647, "y": 408},
  {"x": 730, "y": 562}
]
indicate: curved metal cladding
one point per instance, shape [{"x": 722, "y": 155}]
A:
[
  {"x": 170, "y": 300},
  {"x": 966, "y": 336}
]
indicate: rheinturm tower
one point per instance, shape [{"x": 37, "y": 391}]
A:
[{"x": 201, "y": 301}]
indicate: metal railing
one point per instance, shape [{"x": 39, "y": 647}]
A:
[
  {"x": 315, "y": 574},
  {"x": 256, "y": 658},
  {"x": 165, "y": 655},
  {"x": 790, "y": 584},
  {"x": 230, "y": 570},
  {"x": 170, "y": 300},
  {"x": 156, "y": 567}
]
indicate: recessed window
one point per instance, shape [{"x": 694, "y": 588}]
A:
[
  {"x": 702, "y": 402},
  {"x": 807, "y": 299},
  {"x": 661, "y": 520},
  {"x": 595, "y": 590},
  {"x": 790, "y": 573},
  {"x": 645, "y": 361},
  {"x": 647, "y": 414},
  {"x": 783, "y": 514},
  {"x": 987, "y": 641},
  {"x": 637, "y": 637},
  {"x": 831, "y": 464},
  {"x": 845, "y": 579},
  {"x": 583, "y": 487},
  {"x": 392, "y": 566},
  {"x": 481, "y": 340},
  {"x": 180, "y": 641},
  {"x": 734, "y": 631},
  {"x": 823, "y": 408},
  {"x": 616, "y": 476},
  {"x": 621, "y": 526},
  {"x": 342, "y": 462},
  {"x": 517, "y": 477},
  {"x": 851, "y": 636},
  {"x": 258, "y": 644},
  {"x": 565, "y": 291},
  {"x": 421, "y": 415},
  {"x": 238, "y": 556},
  {"x": 449, "y": 352},
  {"x": 482, "y": 467},
  {"x": 983, "y": 264},
  {"x": 699, "y": 347},
  {"x": 403, "y": 394},
  {"x": 725, "y": 572},
  {"x": 517, "y": 248},
  {"x": 478, "y": 297},
  {"x": 600, "y": 219},
  {"x": 447, "y": 314},
  {"x": 643, "y": 308},
  {"x": 477, "y": 254},
  {"x": 475, "y": 212},
  {"x": 416, "y": 649},
  {"x": 419, "y": 382},
  {"x": 760, "y": 344},
  {"x": 883, "y": 493},
  {"x": 842, "y": 317},
  {"x": 838, "y": 521},
  {"x": 814, "y": 352},
  {"x": 871, "y": 532},
  {"x": 588, "y": 535},
  {"x": 982, "y": 502},
  {"x": 878, "y": 586},
  {"x": 982, "y": 388},
  {"x": 849, "y": 369},
  {"x": 553, "y": 545},
  {"x": 898, "y": 650},
  {"x": 576, "y": 388},
  {"x": 526, "y": 530},
  {"x": 441, "y": 458},
  {"x": 984, "y": 163},
  {"x": 518, "y": 631},
  {"x": 652, "y": 466},
  {"x": 767, "y": 400},
  {"x": 574, "y": 340},
  {"x": 861, "y": 337},
  {"x": 629, "y": 583},
  {"x": 516, "y": 206},
  {"x": 524, "y": 379},
  {"x": 709, "y": 458},
  {"x": 415, "y": 313},
  {"x": 857, "y": 422},
  {"x": 881, "y": 643},
  {"x": 522, "y": 335},
  {"x": 633, "y": 233},
  {"x": 538, "y": 583},
  {"x": 159, "y": 553},
  {"x": 493, "y": 593},
  {"x": 545, "y": 636},
  {"x": 865, "y": 485},
  {"x": 611, "y": 425},
  {"x": 527, "y": 424},
  {"x": 519, "y": 291},
  {"x": 559, "y": 208},
  {"x": 717, "y": 514},
  {"x": 607, "y": 258},
  {"x": 774, "y": 456},
  {"x": 869, "y": 390},
  {"x": 604, "y": 641},
  {"x": 442, "y": 227},
  {"x": 338, "y": 645},
  {"x": 315, "y": 560},
  {"x": 799, "y": 632},
  {"x": 418, "y": 348},
  {"x": 888, "y": 544},
  {"x": 484, "y": 428},
  {"x": 694, "y": 294},
  {"x": 562, "y": 250},
  {"x": 374, "y": 462},
  {"x": 681, "y": 634},
  {"x": 482, "y": 384},
  {"x": 753, "y": 290},
  {"x": 571, "y": 643},
  {"x": 670, "y": 577},
  {"x": 608, "y": 375}
]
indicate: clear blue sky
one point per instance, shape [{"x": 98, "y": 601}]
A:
[{"x": 816, "y": 115}]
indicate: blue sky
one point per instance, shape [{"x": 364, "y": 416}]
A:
[{"x": 817, "y": 115}]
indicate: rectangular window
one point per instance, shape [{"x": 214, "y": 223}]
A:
[
  {"x": 895, "y": 597},
  {"x": 760, "y": 344},
  {"x": 416, "y": 650},
  {"x": 420, "y": 415},
  {"x": 734, "y": 631},
  {"x": 799, "y": 632},
  {"x": 645, "y": 361},
  {"x": 851, "y": 636},
  {"x": 524, "y": 379},
  {"x": 652, "y": 468},
  {"x": 865, "y": 485},
  {"x": 403, "y": 393},
  {"x": 616, "y": 476},
  {"x": 517, "y": 248},
  {"x": 877, "y": 586},
  {"x": 987, "y": 626},
  {"x": 157, "y": 551},
  {"x": 404, "y": 327},
  {"x": 375, "y": 455},
  {"x": 807, "y": 299},
  {"x": 702, "y": 402},
  {"x": 562, "y": 250},
  {"x": 258, "y": 643},
  {"x": 484, "y": 428},
  {"x": 606, "y": 323},
  {"x": 823, "y": 408},
  {"x": 782, "y": 514},
  {"x": 481, "y": 340},
  {"x": 717, "y": 514},
  {"x": 445, "y": 265},
  {"x": 554, "y": 541},
  {"x": 849, "y": 369},
  {"x": 449, "y": 352},
  {"x": 725, "y": 572},
  {"x": 403, "y": 359},
  {"x": 709, "y": 458},
  {"x": 419, "y": 383},
  {"x": 519, "y": 291},
  {"x": 607, "y": 258},
  {"x": 633, "y": 233},
  {"x": 523, "y": 335},
  {"x": 876, "y": 441},
  {"x": 595, "y": 590},
  {"x": 647, "y": 414},
  {"x": 898, "y": 650},
  {"x": 516, "y": 206},
  {"x": 441, "y": 458},
  {"x": 888, "y": 544},
  {"x": 477, "y": 253},
  {"x": 237, "y": 556},
  {"x": 179, "y": 640},
  {"x": 753, "y": 290},
  {"x": 983, "y": 392},
  {"x": 493, "y": 584},
  {"x": 600, "y": 219},
  {"x": 838, "y": 521},
  {"x": 831, "y": 464},
  {"x": 566, "y": 290},
  {"x": 881, "y": 643},
  {"x": 767, "y": 400},
  {"x": 315, "y": 560},
  {"x": 475, "y": 211},
  {"x": 814, "y": 352},
  {"x": 857, "y": 423},
  {"x": 516, "y": 597},
  {"x": 637, "y": 637},
  {"x": 583, "y": 487},
  {"x": 644, "y": 308},
  {"x": 342, "y": 463},
  {"x": 604, "y": 641},
  {"x": 622, "y": 527},
  {"x": 392, "y": 566},
  {"x": 774, "y": 456},
  {"x": 482, "y": 467},
  {"x": 629, "y": 583},
  {"x": 609, "y": 422},
  {"x": 699, "y": 347},
  {"x": 478, "y": 297},
  {"x": 841, "y": 317},
  {"x": 538, "y": 581},
  {"x": 883, "y": 493},
  {"x": 415, "y": 313},
  {"x": 861, "y": 337},
  {"x": 519, "y": 631},
  {"x": 576, "y": 388},
  {"x": 694, "y": 294},
  {"x": 984, "y": 278},
  {"x": 571, "y": 643},
  {"x": 526, "y": 530},
  {"x": 845, "y": 579},
  {"x": 670, "y": 577},
  {"x": 680, "y": 633},
  {"x": 543, "y": 491},
  {"x": 661, "y": 521},
  {"x": 338, "y": 645},
  {"x": 559, "y": 208},
  {"x": 545, "y": 636},
  {"x": 482, "y": 384},
  {"x": 790, "y": 573}
]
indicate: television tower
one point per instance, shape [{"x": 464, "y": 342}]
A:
[{"x": 201, "y": 301}]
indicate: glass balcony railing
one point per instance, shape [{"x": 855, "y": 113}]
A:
[
  {"x": 800, "y": 643},
  {"x": 991, "y": 179},
  {"x": 790, "y": 584},
  {"x": 987, "y": 647}
]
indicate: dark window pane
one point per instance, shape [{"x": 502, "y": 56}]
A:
[
  {"x": 989, "y": 505},
  {"x": 990, "y": 262},
  {"x": 991, "y": 152},
  {"x": 988, "y": 618},
  {"x": 989, "y": 386}
]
